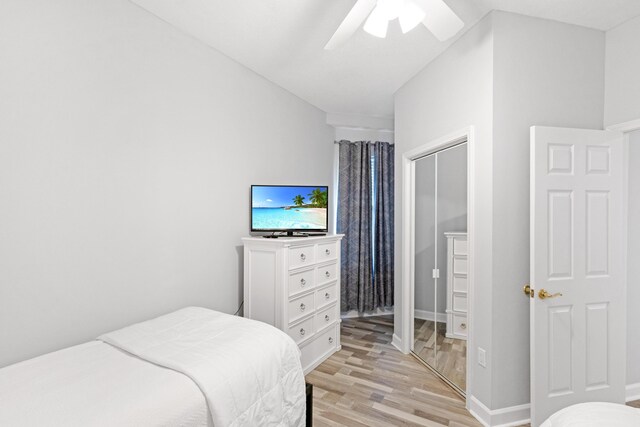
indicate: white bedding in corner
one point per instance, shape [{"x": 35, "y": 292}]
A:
[
  {"x": 595, "y": 414},
  {"x": 249, "y": 372}
]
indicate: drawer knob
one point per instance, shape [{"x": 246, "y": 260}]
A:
[
  {"x": 327, "y": 296},
  {"x": 326, "y": 273},
  {"x": 302, "y": 306},
  {"x": 302, "y": 331},
  {"x": 330, "y": 340},
  {"x": 303, "y": 282},
  {"x": 326, "y": 317},
  {"x": 463, "y": 326},
  {"x": 327, "y": 251},
  {"x": 303, "y": 257}
]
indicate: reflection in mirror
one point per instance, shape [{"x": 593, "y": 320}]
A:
[
  {"x": 440, "y": 293},
  {"x": 424, "y": 292},
  {"x": 451, "y": 344}
]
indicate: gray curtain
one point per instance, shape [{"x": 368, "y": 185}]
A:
[
  {"x": 365, "y": 176},
  {"x": 383, "y": 235}
]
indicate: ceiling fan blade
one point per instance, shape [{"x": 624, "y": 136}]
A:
[
  {"x": 440, "y": 19},
  {"x": 351, "y": 23}
]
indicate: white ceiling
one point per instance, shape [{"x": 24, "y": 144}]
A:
[{"x": 283, "y": 41}]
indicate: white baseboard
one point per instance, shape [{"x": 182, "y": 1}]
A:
[
  {"x": 504, "y": 417},
  {"x": 518, "y": 415},
  {"x": 397, "y": 343},
  {"x": 633, "y": 392},
  {"x": 355, "y": 313},
  {"x": 430, "y": 315}
]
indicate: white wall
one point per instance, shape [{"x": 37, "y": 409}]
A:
[
  {"x": 126, "y": 154},
  {"x": 453, "y": 92},
  {"x": 622, "y": 95},
  {"x": 549, "y": 74},
  {"x": 633, "y": 290}
]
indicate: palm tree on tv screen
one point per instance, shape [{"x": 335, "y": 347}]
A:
[
  {"x": 319, "y": 198},
  {"x": 298, "y": 200}
]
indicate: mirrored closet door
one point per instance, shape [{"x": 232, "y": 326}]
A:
[{"x": 440, "y": 249}]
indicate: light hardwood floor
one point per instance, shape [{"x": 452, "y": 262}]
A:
[{"x": 370, "y": 383}]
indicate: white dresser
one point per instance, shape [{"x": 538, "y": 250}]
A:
[
  {"x": 293, "y": 283},
  {"x": 457, "y": 286}
]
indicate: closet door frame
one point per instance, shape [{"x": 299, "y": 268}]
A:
[{"x": 405, "y": 343}]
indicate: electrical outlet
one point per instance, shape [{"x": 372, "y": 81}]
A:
[{"x": 482, "y": 357}]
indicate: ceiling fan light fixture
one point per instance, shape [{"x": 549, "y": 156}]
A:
[
  {"x": 377, "y": 23},
  {"x": 391, "y": 9},
  {"x": 410, "y": 16}
]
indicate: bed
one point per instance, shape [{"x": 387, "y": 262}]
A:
[
  {"x": 192, "y": 367},
  {"x": 595, "y": 414}
]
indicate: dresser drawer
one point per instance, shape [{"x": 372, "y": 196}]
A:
[
  {"x": 326, "y": 273},
  {"x": 460, "y": 302},
  {"x": 299, "y": 256},
  {"x": 322, "y": 344},
  {"x": 301, "y": 281},
  {"x": 460, "y": 283},
  {"x": 327, "y": 251},
  {"x": 326, "y": 295},
  {"x": 300, "y": 307},
  {"x": 301, "y": 331},
  {"x": 459, "y": 264},
  {"x": 460, "y": 246},
  {"x": 460, "y": 324},
  {"x": 326, "y": 317}
]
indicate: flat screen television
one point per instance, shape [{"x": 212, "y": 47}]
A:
[{"x": 290, "y": 208}]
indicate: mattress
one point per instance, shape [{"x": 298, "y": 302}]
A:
[
  {"x": 95, "y": 384},
  {"x": 595, "y": 414},
  {"x": 193, "y": 367}
]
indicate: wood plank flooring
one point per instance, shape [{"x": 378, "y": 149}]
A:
[{"x": 370, "y": 383}]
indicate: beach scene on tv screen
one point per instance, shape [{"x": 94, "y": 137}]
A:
[{"x": 289, "y": 208}]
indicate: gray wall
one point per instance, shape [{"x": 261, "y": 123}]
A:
[
  {"x": 633, "y": 290},
  {"x": 453, "y": 92},
  {"x": 622, "y": 104},
  {"x": 622, "y": 87},
  {"x": 126, "y": 154},
  {"x": 549, "y": 74},
  {"x": 506, "y": 74}
]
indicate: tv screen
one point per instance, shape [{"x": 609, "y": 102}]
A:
[{"x": 289, "y": 208}]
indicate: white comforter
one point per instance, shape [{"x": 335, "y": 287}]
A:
[
  {"x": 96, "y": 384},
  {"x": 595, "y": 414},
  {"x": 248, "y": 371}
]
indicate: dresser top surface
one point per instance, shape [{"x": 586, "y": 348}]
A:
[{"x": 293, "y": 240}]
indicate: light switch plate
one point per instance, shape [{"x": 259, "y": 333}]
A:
[{"x": 482, "y": 357}]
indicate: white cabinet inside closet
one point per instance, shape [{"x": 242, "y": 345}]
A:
[{"x": 457, "y": 287}]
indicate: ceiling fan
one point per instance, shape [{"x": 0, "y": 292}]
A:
[{"x": 434, "y": 14}]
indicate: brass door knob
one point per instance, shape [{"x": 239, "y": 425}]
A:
[
  {"x": 528, "y": 291},
  {"x": 543, "y": 294}
]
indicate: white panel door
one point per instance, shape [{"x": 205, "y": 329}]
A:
[{"x": 578, "y": 344}]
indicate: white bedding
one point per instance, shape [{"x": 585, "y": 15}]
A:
[
  {"x": 595, "y": 414},
  {"x": 249, "y": 372},
  {"x": 96, "y": 384}
]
